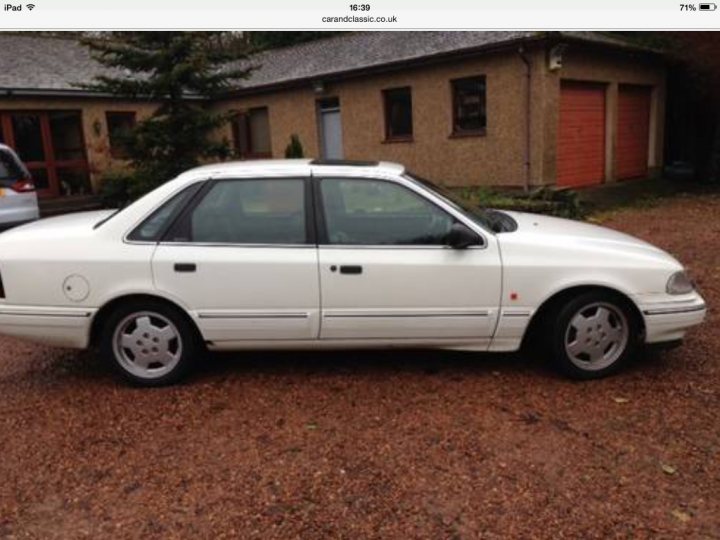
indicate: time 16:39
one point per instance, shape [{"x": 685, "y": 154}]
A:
[{"x": 359, "y": 7}]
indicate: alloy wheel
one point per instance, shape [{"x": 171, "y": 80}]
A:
[
  {"x": 147, "y": 344},
  {"x": 596, "y": 336}
]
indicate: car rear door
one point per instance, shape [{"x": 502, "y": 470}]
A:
[
  {"x": 386, "y": 273},
  {"x": 242, "y": 256}
]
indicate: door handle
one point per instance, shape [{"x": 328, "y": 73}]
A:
[
  {"x": 351, "y": 269},
  {"x": 185, "y": 267}
]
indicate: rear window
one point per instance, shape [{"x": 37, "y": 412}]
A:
[
  {"x": 10, "y": 170},
  {"x": 155, "y": 225}
]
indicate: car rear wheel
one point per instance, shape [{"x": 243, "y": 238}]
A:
[
  {"x": 593, "y": 335},
  {"x": 149, "y": 343}
]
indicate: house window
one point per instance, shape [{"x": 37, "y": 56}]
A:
[
  {"x": 251, "y": 131},
  {"x": 469, "y": 110},
  {"x": 398, "y": 114},
  {"x": 52, "y": 146},
  {"x": 119, "y": 124}
]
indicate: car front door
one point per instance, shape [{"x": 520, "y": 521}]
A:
[
  {"x": 243, "y": 258},
  {"x": 386, "y": 271}
]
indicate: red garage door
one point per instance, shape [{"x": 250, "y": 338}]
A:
[
  {"x": 633, "y": 132},
  {"x": 581, "y": 136}
]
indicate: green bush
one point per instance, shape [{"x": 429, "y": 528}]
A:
[
  {"x": 115, "y": 189},
  {"x": 560, "y": 203},
  {"x": 295, "y": 148},
  {"x": 118, "y": 189}
]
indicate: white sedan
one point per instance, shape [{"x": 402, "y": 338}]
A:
[{"x": 312, "y": 254}]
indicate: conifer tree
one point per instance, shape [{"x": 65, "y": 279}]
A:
[{"x": 180, "y": 71}]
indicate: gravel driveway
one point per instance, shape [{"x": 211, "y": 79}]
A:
[{"x": 376, "y": 445}]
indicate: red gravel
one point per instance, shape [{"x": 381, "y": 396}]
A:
[{"x": 375, "y": 445}]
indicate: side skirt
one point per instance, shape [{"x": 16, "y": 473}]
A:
[{"x": 480, "y": 345}]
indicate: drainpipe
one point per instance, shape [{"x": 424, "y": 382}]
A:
[{"x": 528, "y": 81}]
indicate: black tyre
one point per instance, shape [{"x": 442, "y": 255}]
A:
[
  {"x": 593, "y": 335},
  {"x": 149, "y": 343}
]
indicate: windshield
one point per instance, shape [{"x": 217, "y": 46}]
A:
[{"x": 475, "y": 213}]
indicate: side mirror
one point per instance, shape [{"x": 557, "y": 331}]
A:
[{"x": 460, "y": 237}]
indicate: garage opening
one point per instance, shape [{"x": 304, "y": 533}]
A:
[
  {"x": 633, "y": 132},
  {"x": 581, "y": 134}
]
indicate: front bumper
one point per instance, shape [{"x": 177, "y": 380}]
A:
[
  {"x": 57, "y": 326},
  {"x": 667, "y": 318}
]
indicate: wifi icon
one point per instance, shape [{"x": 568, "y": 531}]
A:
[{"x": 30, "y": 6}]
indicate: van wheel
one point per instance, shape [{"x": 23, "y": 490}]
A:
[
  {"x": 593, "y": 335},
  {"x": 149, "y": 343}
]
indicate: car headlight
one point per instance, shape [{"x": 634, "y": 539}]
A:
[{"x": 680, "y": 283}]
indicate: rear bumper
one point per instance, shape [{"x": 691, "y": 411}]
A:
[
  {"x": 56, "y": 326},
  {"x": 16, "y": 215},
  {"x": 669, "y": 319}
]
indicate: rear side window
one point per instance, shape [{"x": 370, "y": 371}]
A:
[
  {"x": 252, "y": 211},
  {"x": 152, "y": 229},
  {"x": 10, "y": 170}
]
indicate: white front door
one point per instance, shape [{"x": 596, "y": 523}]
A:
[
  {"x": 386, "y": 273},
  {"x": 241, "y": 261},
  {"x": 331, "y": 129}
]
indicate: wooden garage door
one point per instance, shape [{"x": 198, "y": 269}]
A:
[
  {"x": 581, "y": 136},
  {"x": 633, "y": 132}
]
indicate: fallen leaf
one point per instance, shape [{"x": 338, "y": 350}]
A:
[
  {"x": 311, "y": 426},
  {"x": 620, "y": 399},
  {"x": 668, "y": 469},
  {"x": 681, "y": 516}
]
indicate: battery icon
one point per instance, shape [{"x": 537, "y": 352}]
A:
[{"x": 708, "y": 7}]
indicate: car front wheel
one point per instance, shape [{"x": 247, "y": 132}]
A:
[
  {"x": 149, "y": 344},
  {"x": 593, "y": 335}
]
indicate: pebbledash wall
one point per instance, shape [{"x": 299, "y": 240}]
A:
[{"x": 496, "y": 158}]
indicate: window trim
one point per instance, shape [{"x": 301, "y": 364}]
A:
[
  {"x": 108, "y": 113},
  {"x": 321, "y": 222},
  {"x": 456, "y": 133},
  {"x": 197, "y": 198},
  {"x": 389, "y": 137}
]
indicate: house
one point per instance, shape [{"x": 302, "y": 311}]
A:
[{"x": 510, "y": 109}]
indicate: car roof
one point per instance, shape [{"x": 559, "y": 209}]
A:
[{"x": 289, "y": 167}]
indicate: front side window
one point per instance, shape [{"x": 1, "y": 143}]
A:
[
  {"x": 398, "y": 114},
  {"x": 469, "y": 110},
  {"x": 376, "y": 212},
  {"x": 268, "y": 211},
  {"x": 251, "y": 131}
]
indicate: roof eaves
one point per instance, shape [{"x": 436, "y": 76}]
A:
[
  {"x": 606, "y": 42},
  {"x": 68, "y": 92}
]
